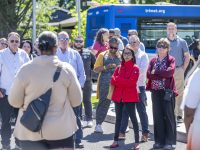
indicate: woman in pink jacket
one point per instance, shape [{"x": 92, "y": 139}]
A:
[{"x": 125, "y": 93}]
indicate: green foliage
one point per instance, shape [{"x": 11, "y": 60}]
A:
[
  {"x": 16, "y": 15},
  {"x": 84, "y": 15},
  {"x": 43, "y": 14}
]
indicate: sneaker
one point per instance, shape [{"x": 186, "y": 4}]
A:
[
  {"x": 168, "y": 147},
  {"x": 144, "y": 137},
  {"x": 127, "y": 129},
  {"x": 136, "y": 146},
  {"x": 114, "y": 144},
  {"x": 179, "y": 119},
  {"x": 122, "y": 136},
  {"x": 79, "y": 145},
  {"x": 7, "y": 147},
  {"x": 90, "y": 124},
  {"x": 98, "y": 129},
  {"x": 17, "y": 148}
]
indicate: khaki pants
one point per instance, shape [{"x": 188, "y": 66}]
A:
[{"x": 179, "y": 81}]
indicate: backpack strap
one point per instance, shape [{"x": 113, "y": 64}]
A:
[{"x": 57, "y": 74}]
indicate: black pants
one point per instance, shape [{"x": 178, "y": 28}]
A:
[
  {"x": 79, "y": 133},
  {"x": 87, "y": 91},
  {"x": 5, "y": 110},
  {"x": 130, "y": 108},
  {"x": 164, "y": 118},
  {"x": 47, "y": 144}
]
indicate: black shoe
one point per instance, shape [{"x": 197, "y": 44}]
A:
[
  {"x": 6, "y": 147},
  {"x": 79, "y": 145},
  {"x": 179, "y": 119},
  {"x": 157, "y": 146},
  {"x": 168, "y": 147}
]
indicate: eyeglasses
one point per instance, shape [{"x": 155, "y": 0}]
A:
[
  {"x": 130, "y": 34},
  {"x": 162, "y": 46},
  {"x": 4, "y": 44},
  {"x": 12, "y": 41},
  {"x": 114, "y": 48},
  {"x": 63, "y": 39},
  {"x": 127, "y": 54},
  {"x": 78, "y": 41}
]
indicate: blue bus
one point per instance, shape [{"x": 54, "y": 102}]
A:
[{"x": 149, "y": 20}]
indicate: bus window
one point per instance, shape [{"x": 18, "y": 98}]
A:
[
  {"x": 97, "y": 22},
  {"x": 151, "y": 30},
  {"x": 150, "y": 33}
]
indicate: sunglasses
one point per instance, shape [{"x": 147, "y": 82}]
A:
[
  {"x": 78, "y": 41},
  {"x": 114, "y": 48},
  {"x": 12, "y": 41},
  {"x": 4, "y": 44},
  {"x": 127, "y": 54},
  {"x": 132, "y": 42},
  {"x": 63, "y": 39},
  {"x": 162, "y": 46}
]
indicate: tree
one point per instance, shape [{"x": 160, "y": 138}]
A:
[
  {"x": 16, "y": 15},
  {"x": 84, "y": 15}
]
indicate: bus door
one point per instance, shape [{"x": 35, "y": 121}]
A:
[{"x": 125, "y": 24}]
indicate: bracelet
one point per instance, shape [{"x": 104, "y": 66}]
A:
[{"x": 104, "y": 67}]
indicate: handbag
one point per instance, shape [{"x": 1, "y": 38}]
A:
[
  {"x": 168, "y": 94},
  {"x": 33, "y": 116},
  {"x": 110, "y": 91}
]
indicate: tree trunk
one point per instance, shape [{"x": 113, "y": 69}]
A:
[{"x": 8, "y": 17}]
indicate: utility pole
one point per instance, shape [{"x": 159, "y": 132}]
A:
[
  {"x": 78, "y": 10},
  {"x": 34, "y": 22}
]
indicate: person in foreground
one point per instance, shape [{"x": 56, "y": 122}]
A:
[
  {"x": 191, "y": 106},
  {"x": 34, "y": 79},
  {"x": 160, "y": 74},
  {"x": 125, "y": 93}
]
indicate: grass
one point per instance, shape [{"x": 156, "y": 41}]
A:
[{"x": 94, "y": 102}]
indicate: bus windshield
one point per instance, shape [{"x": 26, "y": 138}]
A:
[{"x": 151, "y": 30}]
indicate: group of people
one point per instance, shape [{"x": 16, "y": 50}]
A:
[
  {"x": 25, "y": 76},
  {"x": 164, "y": 75},
  {"x": 123, "y": 69}
]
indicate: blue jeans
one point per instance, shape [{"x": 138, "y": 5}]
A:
[
  {"x": 141, "y": 109},
  {"x": 79, "y": 133}
]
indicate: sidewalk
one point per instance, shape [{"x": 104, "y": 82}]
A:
[{"x": 181, "y": 132}]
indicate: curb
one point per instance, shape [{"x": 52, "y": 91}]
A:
[{"x": 181, "y": 136}]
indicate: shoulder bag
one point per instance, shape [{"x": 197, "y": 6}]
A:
[{"x": 34, "y": 115}]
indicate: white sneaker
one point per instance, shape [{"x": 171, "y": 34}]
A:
[
  {"x": 98, "y": 129},
  {"x": 127, "y": 129},
  {"x": 90, "y": 124}
]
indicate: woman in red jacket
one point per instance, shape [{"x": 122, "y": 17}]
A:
[{"x": 125, "y": 93}]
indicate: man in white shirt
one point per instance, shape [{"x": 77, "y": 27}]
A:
[{"x": 11, "y": 59}]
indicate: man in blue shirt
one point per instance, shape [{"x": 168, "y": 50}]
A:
[{"x": 71, "y": 56}]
